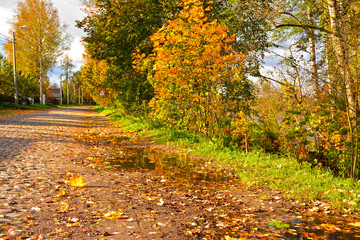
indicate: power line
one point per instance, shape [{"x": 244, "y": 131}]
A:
[
  {"x": 4, "y": 40},
  {"x": 5, "y": 37},
  {"x": 23, "y": 51}
]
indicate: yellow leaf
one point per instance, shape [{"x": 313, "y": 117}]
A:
[
  {"x": 354, "y": 224},
  {"x": 330, "y": 227},
  {"x": 229, "y": 238},
  {"x": 115, "y": 214},
  {"x": 77, "y": 181}
]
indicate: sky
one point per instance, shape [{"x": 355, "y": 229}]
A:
[{"x": 69, "y": 11}]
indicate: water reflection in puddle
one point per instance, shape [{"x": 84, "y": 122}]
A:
[
  {"x": 180, "y": 167},
  {"x": 316, "y": 228},
  {"x": 172, "y": 166}
]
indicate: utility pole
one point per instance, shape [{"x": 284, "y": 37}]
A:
[
  {"x": 79, "y": 96},
  {"x": 41, "y": 83},
  {"x": 60, "y": 91},
  {"x": 67, "y": 89},
  {"x": 16, "y": 94}
]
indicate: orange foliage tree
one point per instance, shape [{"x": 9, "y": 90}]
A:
[
  {"x": 93, "y": 77},
  {"x": 196, "y": 73}
]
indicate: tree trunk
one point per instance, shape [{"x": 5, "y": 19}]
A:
[
  {"x": 312, "y": 50},
  {"x": 339, "y": 21},
  {"x": 338, "y": 26}
]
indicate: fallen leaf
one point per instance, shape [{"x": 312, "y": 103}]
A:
[
  {"x": 37, "y": 209},
  {"x": 62, "y": 193},
  {"x": 354, "y": 224},
  {"x": 161, "y": 202},
  {"x": 77, "y": 181},
  {"x": 115, "y": 215},
  {"x": 77, "y": 224},
  {"x": 330, "y": 227}
]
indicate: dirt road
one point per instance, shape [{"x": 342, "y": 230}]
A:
[{"x": 41, "y": 151}]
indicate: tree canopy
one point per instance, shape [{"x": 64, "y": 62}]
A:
[{"x": 42, "y": 40}]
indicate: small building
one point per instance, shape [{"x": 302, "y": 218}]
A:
[{"x": 54, "y": 96}]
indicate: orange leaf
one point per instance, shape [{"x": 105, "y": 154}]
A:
[{"x": 62, "y": 193}]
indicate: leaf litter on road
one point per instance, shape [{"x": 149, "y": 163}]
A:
[{"x": 160, "y": 194}]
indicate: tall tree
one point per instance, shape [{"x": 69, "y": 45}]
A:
[
  {"x": 6, "y": 77},
  {"x": 42, "y": 41},
  {"x": 115, "y": 29},
  {"x": 197, "y": 77},
  {"x": 67, "y": 66},
  {"x": 249, "y": 27}
]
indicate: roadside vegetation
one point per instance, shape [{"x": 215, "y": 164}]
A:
[
  {"x": 295, "y": 128},
  {"x": 307, "y": 107},
  {"x": 299, "y": 181}
]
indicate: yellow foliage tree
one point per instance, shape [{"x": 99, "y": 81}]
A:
[
  {"x": 43, "y": 40},
  {"x": 196, "y": 72},
  {"x": 93, "y": 77}
]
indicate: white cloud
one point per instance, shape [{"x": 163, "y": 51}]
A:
[
  {"x": 77, "y": 49},
  {"x": 69, "y": 11},
  {"x": 5, "y": 15}
]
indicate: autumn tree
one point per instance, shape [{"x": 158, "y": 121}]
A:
[
  {"x": 93, "y": 76},
  {"x": 114, "y": 29},
  {"x": 6, "y": 77},
  {"x": 252, "y": 39},
  {"x": 41, "y": 42},
  {"x": 67, "y": 67},
  {"x": 327, "y": 34},
  {"x": 196, "y": 73}
]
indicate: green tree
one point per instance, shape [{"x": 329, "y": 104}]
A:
[
  {"x": 243, "y": 20},
  {"x": 115, "y": 29},
  {"x": 67, "y": 67}
]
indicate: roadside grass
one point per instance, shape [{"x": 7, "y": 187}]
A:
[
  {"x": 255, "y": 169},
  {"x": 5, "y": 111}
]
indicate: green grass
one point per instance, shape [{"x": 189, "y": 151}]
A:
[
  {"x": 6, "y": 111},
  {"x": 279, "y": 224},
  {"x": 299, "y": 181}
]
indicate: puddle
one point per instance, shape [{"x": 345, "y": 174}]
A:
[
  {"x": 321, "y": 229},
  {"x": 172, "y": 166},
  {"x": 193, "y": 170}
]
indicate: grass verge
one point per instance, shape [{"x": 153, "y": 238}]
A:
[{"x": 298, "y": 181}]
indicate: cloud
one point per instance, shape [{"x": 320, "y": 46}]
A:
[
  {"x": 69, "y": 11},
  {"x": 6, "y": 13}
]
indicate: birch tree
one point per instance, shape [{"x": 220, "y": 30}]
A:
[{"x": 42, "y": 41}]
